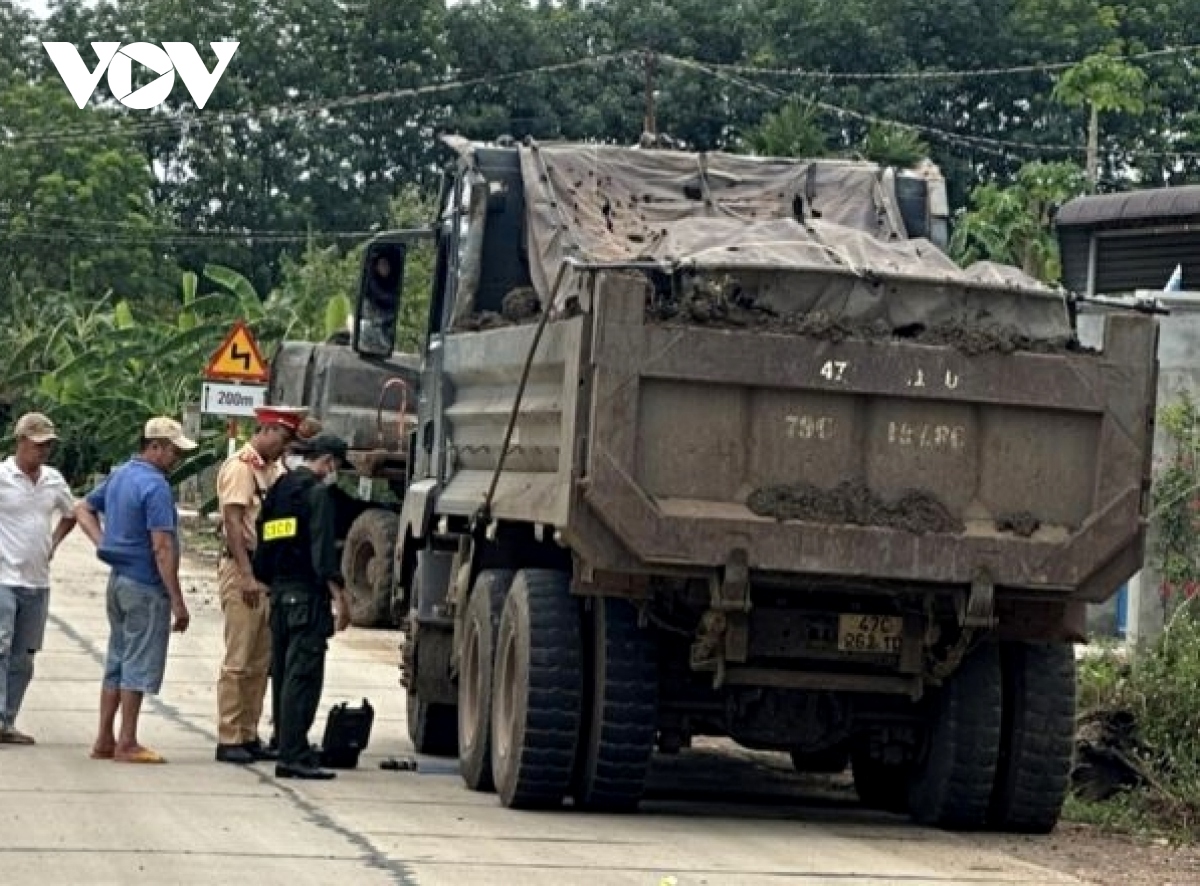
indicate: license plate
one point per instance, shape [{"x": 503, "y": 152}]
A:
[{"x": 880, "y": 634}]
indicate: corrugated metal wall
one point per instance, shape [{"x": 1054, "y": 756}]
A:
[
  {"x": 1073, "y": 246},
  {"x": 1130, "y": 261}
]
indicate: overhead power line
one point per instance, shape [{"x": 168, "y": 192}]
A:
[
  {"x": 732, "y": 74},
  {"x": 934, "y": 74},
  {"x": 162, "y": 237},
  {"x": 144, "y": 227},
  {"x": 277, "y": 112},
  {"x": 996, "y": 146}
]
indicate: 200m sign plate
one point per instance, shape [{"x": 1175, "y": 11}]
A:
[
  {"x": 231, "y": 399},
  {"x": 879, "y": 634}
]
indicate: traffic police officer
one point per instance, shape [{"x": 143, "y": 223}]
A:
[
  {"x": 242, "y": 484},
  {"x": 297, "y": 557}
]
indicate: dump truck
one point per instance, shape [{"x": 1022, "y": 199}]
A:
[{"x": 712, "y": 445}]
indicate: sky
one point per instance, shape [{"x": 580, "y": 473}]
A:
[{"x": 37, "y": 7}]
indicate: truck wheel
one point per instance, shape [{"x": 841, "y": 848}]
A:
[
  {"x": 621, "y": 720},
  {"x": 536, "y": 691},
  {"x": 1038, "y": 738},
  {"x": 952, "y": 781},
  {"x": 475, "y": 677},
  {"x": 880, "y": 785},
  {"x": 367, "y": 566},
  {"x": 432, "y": 726}
]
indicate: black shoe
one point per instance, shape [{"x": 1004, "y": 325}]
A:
[
  {"x": 234, "y": 753},
  {"x": 312, "y": 773},
  {"x": 260, "y": 751}
]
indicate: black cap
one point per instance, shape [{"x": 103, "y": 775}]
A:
[{"x": 324, "y": 444}]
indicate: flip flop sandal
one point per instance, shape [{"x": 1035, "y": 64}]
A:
[
  {"x": 145, "y": 755},
  {"x": 101, "y": 755}
]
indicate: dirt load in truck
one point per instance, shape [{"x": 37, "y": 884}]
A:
[{"x": 715, "y": 445}]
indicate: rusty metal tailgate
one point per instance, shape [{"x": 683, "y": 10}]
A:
[{"x": 687, "y": 423}]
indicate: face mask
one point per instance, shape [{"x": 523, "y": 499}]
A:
[
  {"x": 331, "y": 478},
  {"x": 291, "y": 462}
]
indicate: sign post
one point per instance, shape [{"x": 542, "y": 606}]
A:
[{"x": 235, "y": 380}]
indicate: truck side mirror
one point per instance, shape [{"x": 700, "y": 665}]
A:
[{"x": 379, "y": 292}]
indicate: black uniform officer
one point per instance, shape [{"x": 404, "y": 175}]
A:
[{"x": 297, "y": 557}]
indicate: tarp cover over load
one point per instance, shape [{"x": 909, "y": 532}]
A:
[{"x": 790, "y": 237}]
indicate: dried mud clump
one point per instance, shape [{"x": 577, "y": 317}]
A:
[
  {"x": 852, "y": 502},
  {"x": 723, "y": 304},
  {"x": 978, "y": 338},
  {"x": 521, "y": 305},
  {"x": 480, "y": 321},
  {"x": 1109, "y": 755},
  {"x": 1021, "y": 523}
]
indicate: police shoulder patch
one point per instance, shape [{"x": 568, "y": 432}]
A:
[{"x": 284, "y": 527}]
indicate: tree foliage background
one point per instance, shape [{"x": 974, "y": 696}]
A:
[{"x": 325, "y": 127}]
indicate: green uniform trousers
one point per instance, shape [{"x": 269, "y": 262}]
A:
[{"x": 301, "y": 625}]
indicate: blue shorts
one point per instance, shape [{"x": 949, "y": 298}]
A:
[{"x": 139, "y": 621}]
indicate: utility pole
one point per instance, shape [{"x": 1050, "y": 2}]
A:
[
  {"x": 649, "y": 124},
  {"x": 1093, "y": 148}
]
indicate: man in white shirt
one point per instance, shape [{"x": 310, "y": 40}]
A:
[{"x": 31, "y": 493}]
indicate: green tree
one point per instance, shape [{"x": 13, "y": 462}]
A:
[
  {"x": 1101, "y": 83},
  {"x": 893, "y": 146},
  {"x": 332, "y": 155},
  {"x": 278, "y": 147},
  {"x": 320, "y": 287},
  {"x": 604, "y": 102},
  {"x": 1176, "y": 497},
  {"x": 1012, "y": 225},
  {"x": 102, "y": 366},
  {"x": 76, "y": 214},
  {"x": 320, "y": 284},
  {"x": 792, "y": 131},
  {"x": 17, "y": 27}
]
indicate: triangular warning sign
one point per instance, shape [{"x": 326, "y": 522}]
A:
[{"x": 238, "y": 358}]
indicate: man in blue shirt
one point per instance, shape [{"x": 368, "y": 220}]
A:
[{"x": 139, "y": 541}]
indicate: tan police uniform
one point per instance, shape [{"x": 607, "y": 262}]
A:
[{"x": 244, "y": 479}]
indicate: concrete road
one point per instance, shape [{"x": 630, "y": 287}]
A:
[{"x": 713, "y": 818}]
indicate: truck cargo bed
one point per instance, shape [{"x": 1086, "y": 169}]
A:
[{"x": 654, "y": 446}]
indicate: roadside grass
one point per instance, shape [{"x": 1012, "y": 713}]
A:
[
  {"x": 1134, "y": 814},
  {"x": 1153, "y": 698}
]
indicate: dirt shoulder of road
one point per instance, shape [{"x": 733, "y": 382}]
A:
[
  {"x": 1102, "y": 857},
  {"x": 1091, "y": 853}
]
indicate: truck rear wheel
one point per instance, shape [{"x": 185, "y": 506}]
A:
[
  {"x": 475, "y": 677},
  {"x": 621, "y": 720},
  {"x": 536, "y": 691},
  {"x": 1038, "y": 738},
  {"x": 952, "y": 781},
  {"x": 367, "y": 566},
  {"x": 432, "y": 726}
]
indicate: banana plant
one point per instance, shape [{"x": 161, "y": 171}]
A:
[{"x": 187, "y": 290}]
